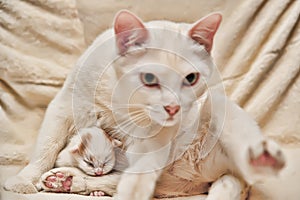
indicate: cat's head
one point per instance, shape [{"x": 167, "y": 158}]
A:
[
  {"x": 163, "y": 67},
  {"x": 94, "y": 151}
]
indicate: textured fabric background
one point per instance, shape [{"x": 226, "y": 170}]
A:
[{"x": 257, "y": 50}]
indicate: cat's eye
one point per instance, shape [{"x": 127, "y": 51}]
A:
[
  {"x": 191, "y": 79},
  {"x": 149, "y": 79}
]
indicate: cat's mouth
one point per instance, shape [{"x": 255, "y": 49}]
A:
[
  {"x": 170, "y": 121},
  {"x": 171, "y": 118}
]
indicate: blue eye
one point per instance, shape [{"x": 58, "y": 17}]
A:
[
  {"x": 191, "y": 79},
  {"x": 149, "y": 79}
]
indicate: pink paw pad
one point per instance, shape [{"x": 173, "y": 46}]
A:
[
  {"x": 58, "y": 182},
  {"x": 266, "y": 159}
]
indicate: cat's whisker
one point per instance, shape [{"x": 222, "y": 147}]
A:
[
  {"x": 137, "y": 104},
  {"x": 125, "y": 123},
  {"x": 143, "y": 119},
  {"x": 131, "y": 106},
  {"x": 130, "y": 120},
  {"x": 130, "y": 116},
  {"x": 141, "y": 109},
  {"x": 129, "y": 123},
  {"x": 129, "y": 113},
  {"x": 127, "y": 107},
  {"x": 140, "y": 117}
]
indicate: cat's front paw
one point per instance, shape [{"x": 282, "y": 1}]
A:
[
  {"x": 266, "y": 157},
  {"x": 56, "y": 181},
  {"x": 135, "y": 187},
  {"x": 20, "y": 184}
]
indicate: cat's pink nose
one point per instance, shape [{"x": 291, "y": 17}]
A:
[{"x": 172, "y": 110}]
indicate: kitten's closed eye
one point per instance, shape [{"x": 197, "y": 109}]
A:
[{"x": 89, "y": 163}]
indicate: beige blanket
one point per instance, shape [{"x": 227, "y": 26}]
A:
[{"x": 257, "y": 51}]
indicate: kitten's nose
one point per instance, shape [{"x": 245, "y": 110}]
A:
[
  {"x": 172, "y": 110},
  {"x": 99, "y": 172}
]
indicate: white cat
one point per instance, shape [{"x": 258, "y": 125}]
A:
[{"x": 152, "y": 84}]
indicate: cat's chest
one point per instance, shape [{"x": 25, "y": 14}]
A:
[
  {"x": 191, "y": 167},
  {"x": 191, "y": 175}
]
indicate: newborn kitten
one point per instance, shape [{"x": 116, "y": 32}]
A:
[{"x": 91, "y": 150}]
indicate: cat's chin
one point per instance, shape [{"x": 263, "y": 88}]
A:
[{"x": 168, "y": 122}]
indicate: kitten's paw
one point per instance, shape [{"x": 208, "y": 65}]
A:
[
  {"x": 97, "y": 194},
  {"x": 56, "y": 181},
  {"x": 266, "y": 157},
  {"x": 20, "y": 184}
]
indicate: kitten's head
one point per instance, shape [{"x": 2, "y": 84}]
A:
[
  {"x": 163, "y": 67},
  {"x": 94, "y": 152}
]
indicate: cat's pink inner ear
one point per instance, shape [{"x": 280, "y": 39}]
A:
[
  {"x": 129, "y": 30},
  {"x": 205, "y": 29}
]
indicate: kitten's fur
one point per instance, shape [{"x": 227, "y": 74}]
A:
[
  {"x": 91, "y": 150},
  {"x": 240, "y": 152}
]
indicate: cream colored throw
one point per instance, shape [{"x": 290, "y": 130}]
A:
[{"x": 257, "y": 51}]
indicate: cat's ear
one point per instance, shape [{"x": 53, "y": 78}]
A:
[
  {"x": 204, "y": 30},
  {"x": 116, "y": 143},
  {"x": 129, "y": 30}
]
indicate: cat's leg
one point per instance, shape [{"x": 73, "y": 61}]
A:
[
  {"x": 252, "y": 153},
  {"x": 71, "y": 179},
  {"x": 137, "y": 186},
  {"x": 227, "y": 188},
  {"x": 106, "y": 183},
  {"x": 139, "y": 180},
  {"x": 51, "y": 139}
]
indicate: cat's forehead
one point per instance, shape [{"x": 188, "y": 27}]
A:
[
  {"x": 167, "y": 63},
  {"x": 164, "y": 69}
]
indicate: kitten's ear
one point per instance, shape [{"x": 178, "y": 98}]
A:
[
  {"x": 129, "y": 30},
  {"x": 74, "y": 150},
  {"x": 116, "y": 143},
  {"x": 204, "y": 30}
]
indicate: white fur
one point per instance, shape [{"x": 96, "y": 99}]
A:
[{"x": 195, "y": 154}]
